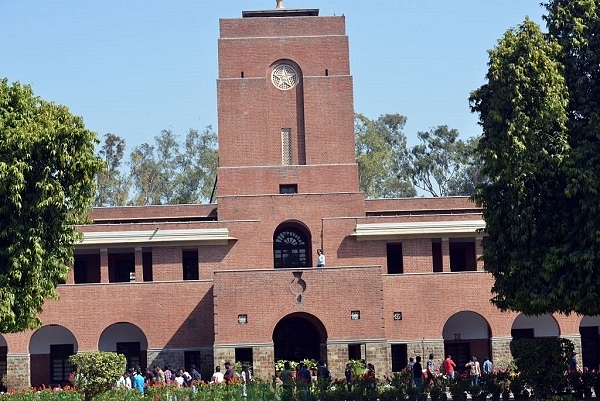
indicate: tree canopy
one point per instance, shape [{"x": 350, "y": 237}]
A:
[
  {"x": 47, "y": 184},
  {"x": 541, "y": 159},
  {"x": 443, "y": 164},
  {"x": 382, "y": 155},
  {"x": 161, "y": 173}
]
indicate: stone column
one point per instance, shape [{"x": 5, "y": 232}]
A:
[
  {"x": 17, "y": 371},
  {"x": 501, "y": 349},
  {"x": 262, "y": 361}
]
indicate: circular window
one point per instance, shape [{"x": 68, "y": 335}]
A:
[{"x": 284, "y": 77}]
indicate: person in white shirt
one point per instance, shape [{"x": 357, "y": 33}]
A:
[
  {"x": 179, "y": 380},
  {"x": 320, "y": 258},
  {"x": 124, "y": 381},
  {"x": 217, "y": 377}
]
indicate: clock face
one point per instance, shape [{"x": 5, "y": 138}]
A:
[{"x": 284, "y": 77}]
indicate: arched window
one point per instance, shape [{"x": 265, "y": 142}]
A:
[{"x": 291, "y": 248}]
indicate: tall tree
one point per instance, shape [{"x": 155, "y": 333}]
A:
[
  {"x": 442, "y": 164},
  {"x": 145, "y": 176},
  {"x": 47, "y": 170},
  {"x": 197, "y": 167},
  {"x": 469, "y": 174},
  {"x": 525, "y": 148},
  {"x": 113, "y": 185},
  {"x": 382, "y": 155}
]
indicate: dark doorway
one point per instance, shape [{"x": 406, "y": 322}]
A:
[
  {"x": 399, "y": 357},
  {"x": 132, "y": 352},
  {"x": 590, "y": 347},
  {"x": 59, "y": 363},
  {"x": 296, "y": 338},
  {"x": 460, "y": 353}
]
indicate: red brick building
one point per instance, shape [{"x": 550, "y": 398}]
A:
[{"x": 235, "y": 280}]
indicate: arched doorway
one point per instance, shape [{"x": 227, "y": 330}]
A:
[
  {"x": 299, "y": 336},
  {"x": 127, "y": 339},
  {"x": 291, "y": 246},
  {"x": 534, "y": 327},
  {"x": 49, "y": 350},
  {"x": 466, "y": 334}
]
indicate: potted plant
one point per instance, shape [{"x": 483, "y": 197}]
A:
[
  {"x": 589, "y": 380},
  {"x": 477, "y": 392},
  {"x": 575, "y": 383},
  {"x": 413, "y": 393},
  {"x": 493, "y": 385},
  {"x": 279, "y": 366},
  {"x": 459, "y": 387},
  {"x": 437, "y": 389}
]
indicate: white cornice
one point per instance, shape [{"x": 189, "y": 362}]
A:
[
  {"x": 206, "y": 236},
  {"x": 462, "y": 228}
]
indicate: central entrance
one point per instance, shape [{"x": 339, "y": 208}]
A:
[{"x": 299, "y": 336}]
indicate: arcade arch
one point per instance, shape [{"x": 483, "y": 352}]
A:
[
  {"x": 466, "y": 334},
  {"x": 534, "y": 326},
  {"x": 49, "y": 350},
  {"x": 299, "y": 336},
  {"x": 127, "y": 339}
]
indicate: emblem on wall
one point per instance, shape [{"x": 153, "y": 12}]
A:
[{"x": 284, "y": 77}]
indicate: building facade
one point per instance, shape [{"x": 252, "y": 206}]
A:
[{"x": 234, "y": 280}]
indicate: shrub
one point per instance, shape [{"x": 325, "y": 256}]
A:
[
  {"x": 97, "y": 372},
  {"x": 542, "y": 363}
]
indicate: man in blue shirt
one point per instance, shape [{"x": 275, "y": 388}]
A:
[{"x": 138, "y": 380}]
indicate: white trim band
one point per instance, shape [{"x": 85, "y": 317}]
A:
[
  {"x": 462, "y": 228},
  {"x": 212, "y": 236}
]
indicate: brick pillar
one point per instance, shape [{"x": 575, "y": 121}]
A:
[
  {"x": 104, "y": 265},
  {"x": 445, "y": 254},
  {"x": 70, "y": 276},
  {"x": 139, "y": 264},
  {"x": 478, "y": 253}
]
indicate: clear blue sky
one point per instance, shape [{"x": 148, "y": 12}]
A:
[{"x": 135, "y": 67}]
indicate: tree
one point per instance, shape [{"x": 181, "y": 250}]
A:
[
  {"x": 113, "y": 185},
  {"x": 145, "y": 176},
  {"x": 469, "y": 175},
  {"x": 381, "y": 155},
  {"x": 162, "y": 174},
  {"x": 524, "y": 150},
  {"x": 198, "y": 167},
  {"x": 47, "y": 170},
  {"x": 97, "y": 372},
  {"x": 442, "y": 164}
]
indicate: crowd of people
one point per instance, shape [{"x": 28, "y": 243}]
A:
[
  {"x": 137, "y": 379},
  {"x": 422, "y": 376}
]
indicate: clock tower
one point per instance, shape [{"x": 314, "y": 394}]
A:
[{"x": 285, "y": 107}]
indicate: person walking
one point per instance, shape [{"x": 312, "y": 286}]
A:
[
  {"x": 418, "y": 373},
  {"x": 449, "y": 367},
  {"x": 474, "y": 371}
]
